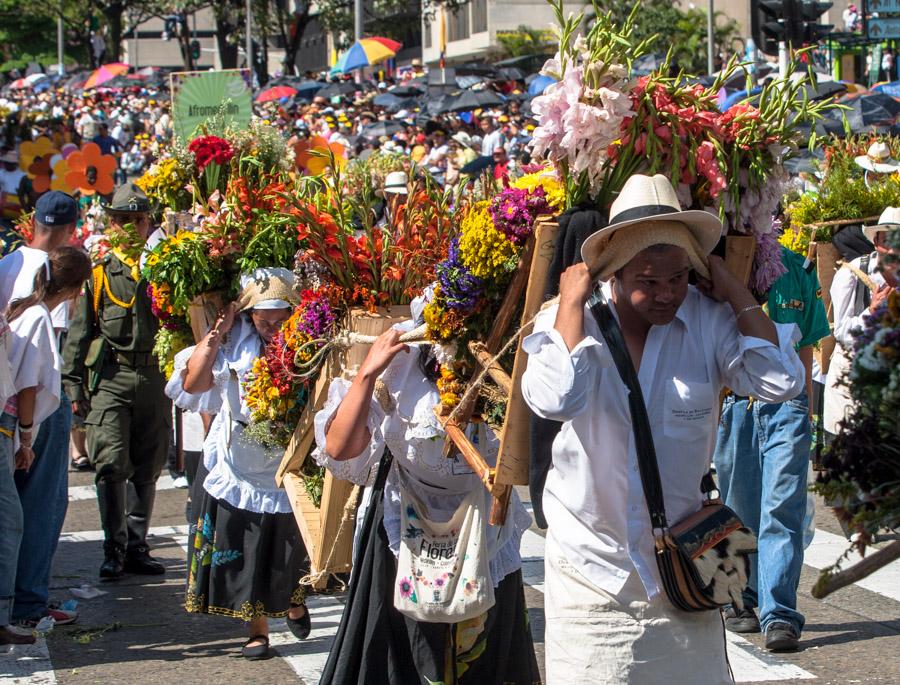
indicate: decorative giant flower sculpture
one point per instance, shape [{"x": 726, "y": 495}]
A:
[
  {"x": 29, "y": 151},
  {"x": 312, "y": 155},
  {"x": 90, "y": 171}
]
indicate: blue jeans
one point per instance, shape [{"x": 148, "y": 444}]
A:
[
  {"x": 762, "y": 460},
  {"x": 44, "y": 493},
  {"x": 10, "y": 521}
]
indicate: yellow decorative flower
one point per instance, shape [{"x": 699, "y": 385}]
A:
[
  {"x": 546, "y": 179},
  {"x": 484, "y": 250}
]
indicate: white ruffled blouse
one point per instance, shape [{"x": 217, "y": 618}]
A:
[
  {"x": 241, "y": 471},
  {"x": 413, "y": 434}
]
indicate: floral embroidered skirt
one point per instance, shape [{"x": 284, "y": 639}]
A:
[
  {"x": 242, "y": 563},
  {"x": 377, "y": 645}
]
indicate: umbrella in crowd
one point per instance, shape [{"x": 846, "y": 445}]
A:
[
  {"x": 339, "y": 88},
  {"x": 823, "y": 90},
  {"x": 393, "y": 103},
  {"x": 381, "y": 128},
  {"x": 408, "y": 90},
  {"x": 365, "y": 52},
  {"x": 473, "y": 99},
  {"x": 308, "y": 88},
  {"x": 105, "y": 73},
  {"x": 276, "y": 93},
  {"x": 477, "y": 165},
  {"x": 539, "y": 84},
  {"x": 867, "y": 110},
  {"x": 476, "y": 69}
]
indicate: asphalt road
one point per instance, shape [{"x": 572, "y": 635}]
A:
[{"x": 138, "y": 631}]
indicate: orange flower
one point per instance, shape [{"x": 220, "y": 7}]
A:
[
  {"x": 312, "y": 155},
  {"x": 90, "y": 171},
  {"x": 39, "y": 170}
]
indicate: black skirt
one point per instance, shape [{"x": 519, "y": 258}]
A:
[
  {"x": 242, "y": 563},
  {"x": 377, "y": 645}
]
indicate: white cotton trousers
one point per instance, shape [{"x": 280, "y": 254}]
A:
[{"x": 594, "y": 637}]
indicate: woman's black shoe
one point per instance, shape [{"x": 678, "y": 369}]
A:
[
  {"x": 257, "y": 651},
  {"x": 300, "y": 627}
]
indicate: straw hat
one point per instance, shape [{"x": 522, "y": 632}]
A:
[
  {"x": 395, "y": 183},
  {"x": 878, "y": 159},
  {"x": 888, "y": 221},
  {"x": 267, "y": 288},
  {"x": 648, "y": 207}
]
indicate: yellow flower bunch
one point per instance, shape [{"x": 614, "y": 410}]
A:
[
  {"x": 443, "y": 323},
  {"x": 450, "y": 387},
  {"x": 546, "y": 179},
  {"x": 164, "y": 180},
  {"x": 484, "y": 251},
  {"x": 796, "y": 240}
]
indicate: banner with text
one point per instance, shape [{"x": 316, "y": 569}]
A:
[{"x": 199, "y": 97}]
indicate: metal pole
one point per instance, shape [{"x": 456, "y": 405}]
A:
[
  {"x": 60, "y": 47},
  {"x": 710, "y": 38},
  {"x": 249, "y": 47},
  {"x": 357, "y": 19},
  {"x": 136, "y": 61},
  {"x": 782, "y": 59}
]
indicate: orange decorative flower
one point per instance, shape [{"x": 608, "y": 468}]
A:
[
  {"x": 39, "y": 170},
  {"x": 31, "y": 150},
  {"x": 312, "y": 155},
  {"x": 90, "y": 171}
]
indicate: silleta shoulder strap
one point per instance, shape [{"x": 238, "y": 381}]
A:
[{"x": 640, "y": 422}]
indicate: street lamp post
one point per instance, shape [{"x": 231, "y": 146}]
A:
[
  {"x": 710, "y": 38},
  {"x": 60, "y": 47}
]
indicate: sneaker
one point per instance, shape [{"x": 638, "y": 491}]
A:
[
  {"x": 781, "y": 636},
  {"x": 180, "y": 483},
  {"x": 741, "y": 620},
  {"x": 60, "y": 617}
]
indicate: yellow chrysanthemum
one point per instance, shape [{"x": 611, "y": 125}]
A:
[
  {"x": 546, "y": 179},
  {"x": 484, "y": 250}
]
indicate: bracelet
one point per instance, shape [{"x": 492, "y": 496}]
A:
[
  {"x": 22, "y": 426},
  {"x": 748, "y": 308}
]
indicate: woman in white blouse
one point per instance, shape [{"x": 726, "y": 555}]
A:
[
  {"x": 247, "y": 556},
  {"x": 381, "y": 430}
]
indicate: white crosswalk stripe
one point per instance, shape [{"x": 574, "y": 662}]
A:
[{"x": 83, "y": 492}]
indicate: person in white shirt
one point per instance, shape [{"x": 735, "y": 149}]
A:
[
  {"x": 492, "y": 137},
  {"x": 607, "y": 617},
  {"x": 11, "y": 177},
  {"x": 859, "y": 288}
]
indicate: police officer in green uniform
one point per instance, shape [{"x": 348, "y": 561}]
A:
[{"x": 114, "y": 381}]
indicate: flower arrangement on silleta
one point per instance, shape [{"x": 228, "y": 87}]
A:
[
  {"x": 598, "y": 127},
  {"x": 861, "y": 477},
  {"x": 277, "y": 387},
  {"x": 472, "y": 280},
  {"x": 842, "y": 191}
]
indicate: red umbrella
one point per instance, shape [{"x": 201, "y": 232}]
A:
[{"x": 276, "y": 93}]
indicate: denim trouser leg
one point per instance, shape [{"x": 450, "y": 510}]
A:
[
  {"x": 737, "y": 461},
  {"x": 762, "y": 459},
  {"x": 44, "y": 493},
  {"x": 10, "y": 522},
  {"x": 785, "y": 436}
]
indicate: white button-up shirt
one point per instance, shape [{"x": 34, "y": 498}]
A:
[{"x": 593, "y": 498}]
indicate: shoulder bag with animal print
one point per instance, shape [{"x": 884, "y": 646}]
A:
[{"x": 703, "y": 559}]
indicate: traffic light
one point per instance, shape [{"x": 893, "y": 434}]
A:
[
  {"x": 770, "y": 23},
  {"x": 808, "y": 30},
  {"x": 195, "y": 50}
]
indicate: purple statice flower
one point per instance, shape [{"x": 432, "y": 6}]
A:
[
  {"x": 459, "y": 288},
  {"x": 515, "y": 209},
  {"x": 318, "y": 319}
]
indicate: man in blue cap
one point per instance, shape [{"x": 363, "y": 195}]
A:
[{"x": 43, "y": 490}]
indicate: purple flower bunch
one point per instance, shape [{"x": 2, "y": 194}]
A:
[
  {"x": 515, "y": 209},
  {"x": 459, "y": 288},
  {"x": 318, "y": 319}
]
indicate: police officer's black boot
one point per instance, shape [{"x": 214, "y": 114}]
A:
[
  {"x": 111, "y": 501},
  {"x": 140, "y": 507}
]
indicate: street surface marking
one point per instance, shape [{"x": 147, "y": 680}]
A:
[
  {"x": 308, "y": 657},
  {"x": 26, "y": 664},
  {"x": 82, "y": 492},
  {"x": 177, "y": 532},
  {"x": 749, "y": 663},
  {"x": 826, "y": 548}
]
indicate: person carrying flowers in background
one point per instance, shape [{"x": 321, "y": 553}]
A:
[
  {"x": 381, "y": 430},
  {"x": 247, "y": 556},
  {"x": 113, "y": 380}
]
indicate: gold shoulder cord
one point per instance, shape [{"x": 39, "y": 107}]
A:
[{"x": 115, "y": 300}]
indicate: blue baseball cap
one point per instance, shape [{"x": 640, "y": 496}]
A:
[{"x": 56, "y": 209}]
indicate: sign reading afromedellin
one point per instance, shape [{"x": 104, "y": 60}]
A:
[{"x": 215, "y": 98}]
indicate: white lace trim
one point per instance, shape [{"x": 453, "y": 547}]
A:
[{"x": 210, "y": 401}]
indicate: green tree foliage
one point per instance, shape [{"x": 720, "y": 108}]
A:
[
  {"x": 524, "y": 41},
  {"x": 684, "y": 31}
]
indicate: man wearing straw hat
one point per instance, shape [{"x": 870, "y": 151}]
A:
[
  {"x": 113, "y": 379},
  {"x": 608, "y": 619},
  {"x": 859, "y": 288}
]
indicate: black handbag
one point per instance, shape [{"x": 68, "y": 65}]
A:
[{"x": 704, "y": 559}]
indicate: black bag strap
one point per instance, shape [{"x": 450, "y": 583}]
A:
[{"x": 640, "y": 422}]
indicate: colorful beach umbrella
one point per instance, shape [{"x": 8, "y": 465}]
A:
[
  {"x": 105, "y": 73},
  {"x": 366, "y": 52},
  {"x": 276, "y": 93}
]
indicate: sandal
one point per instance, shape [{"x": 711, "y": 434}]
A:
[
  {"x": 80, "y": 462},
  {"x": 256, "y": 652}
]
